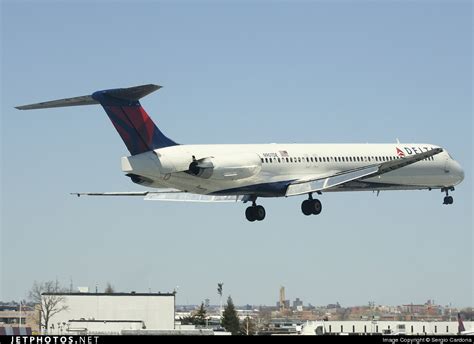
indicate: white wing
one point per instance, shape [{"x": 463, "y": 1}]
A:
[
  {"x": 167, "y": 195},
  {"x": 300, "y": 187}
]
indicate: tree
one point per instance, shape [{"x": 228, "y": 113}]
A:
[
  {"x": 230, "y": 320},
  {"x": 109, "y": 289},
  {"x": 219, "y": 291},
  {"x": 201, "y": 316},
  {"x": 46, "y": 295},
  {"x": 248, "y": 327},
  {"x": 187, "y": 320}
]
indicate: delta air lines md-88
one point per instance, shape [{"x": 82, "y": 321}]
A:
[{"x": 246, "y": 172}]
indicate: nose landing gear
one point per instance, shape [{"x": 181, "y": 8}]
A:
[{"x": 448, "y": 199}]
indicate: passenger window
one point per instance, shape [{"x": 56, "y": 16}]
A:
[
  {"x": 307, "y": 159},
  {"x": 299, "y": 159},
  {"x": 279, "y": 160},
  {"x": 266, "y": 160},
  {"x": 287, "y": 160},
  {"x": 262, "y": 159}
]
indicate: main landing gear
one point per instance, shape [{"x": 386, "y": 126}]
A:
[
  {"x": 448, "y": 199},
  {"x": 311, "y": 206},
  {"x": 255, "y": 212}
]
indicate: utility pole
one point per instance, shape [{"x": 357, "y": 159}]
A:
[{"x": 19, "y": 323}]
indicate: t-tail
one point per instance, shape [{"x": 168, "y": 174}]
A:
[{"x": 122, "y": 105}]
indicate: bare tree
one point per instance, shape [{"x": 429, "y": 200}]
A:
[
  {"x": 110, "y": 288},
  {"x": 48, "y": 299}
]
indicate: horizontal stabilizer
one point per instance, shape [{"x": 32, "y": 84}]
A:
[
  {"x": 75, "y": 101},
  {"x": 132, "y": 93},
  {"x": 127, "y": 94}
]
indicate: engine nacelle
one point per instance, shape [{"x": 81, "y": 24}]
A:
[
  {"x": 172, "y": 163},
  {"x": 230, "y": 167}
]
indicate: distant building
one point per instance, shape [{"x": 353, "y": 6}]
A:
[
  {"x": 18, "y": 316},
  {"x": 297, "y": 304},
  {"x": 110, "y": 313},
  {"x": 283, "y": 306}
]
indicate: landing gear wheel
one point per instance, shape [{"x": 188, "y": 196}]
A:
[
  {"x": 448, "y": 199},
  {"x": 311, "y": 207},
  {"x": 250, "y": 214},
  {"x": 255, "y": 213},
  {"x": 259, "y": 213},
  {"x": 317, "y": 207},
  {"x": 306, "y": 207}
]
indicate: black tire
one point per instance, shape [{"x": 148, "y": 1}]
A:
[
  {"x": 250, "y": 214},
  {"x": 306, "y": 207},
  {"x": 450, "y": 200},
  {"x": 316, "y": 206},
  {"x": 259, "y": 212}
]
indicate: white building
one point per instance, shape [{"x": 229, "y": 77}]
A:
[
  {"x": 112, "y": 312},
  {"x": 383, "y": 327}
]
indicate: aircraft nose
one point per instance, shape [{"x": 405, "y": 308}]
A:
[{"x": 457, "y": 171}]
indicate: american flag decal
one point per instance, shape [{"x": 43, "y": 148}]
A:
[
  {"x": 284, "y": 154},
  {"x": 400, "y": 153}
]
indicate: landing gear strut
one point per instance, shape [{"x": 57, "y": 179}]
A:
[
  {"x": 448, "y": 199},
  {"x": 255, "y": 212},
  {"x": 311, "y": 206}
]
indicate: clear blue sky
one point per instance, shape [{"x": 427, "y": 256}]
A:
[{"x": 239, "y": 72}]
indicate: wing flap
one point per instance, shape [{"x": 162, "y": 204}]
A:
[
  {"x": 189, "y": 197},
  {"x": 167, "y": 195}
]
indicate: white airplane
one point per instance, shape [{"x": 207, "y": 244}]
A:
[{"x": 246, "y": 172}]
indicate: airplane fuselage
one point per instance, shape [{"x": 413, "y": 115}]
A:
[{"x": 265, "y": 170}]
